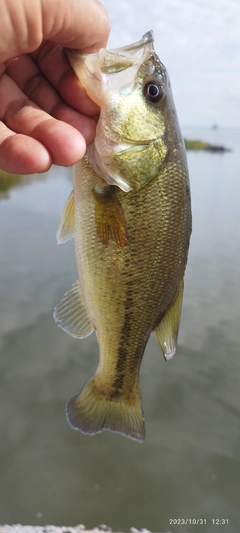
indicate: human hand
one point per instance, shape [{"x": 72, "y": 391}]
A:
[{"x": 45, "y": 114}]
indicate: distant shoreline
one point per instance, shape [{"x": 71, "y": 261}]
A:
[{"x": 202, "y": 145}]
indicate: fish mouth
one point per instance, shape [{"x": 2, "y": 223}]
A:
[
  {"x": 148, "y": 37},
  {"x": 92, "y": 69}
]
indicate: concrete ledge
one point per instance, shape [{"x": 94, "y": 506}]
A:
[{"x": 18, "y": 528}]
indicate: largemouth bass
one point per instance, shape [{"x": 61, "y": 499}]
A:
[{"x": 130, "y": 216}]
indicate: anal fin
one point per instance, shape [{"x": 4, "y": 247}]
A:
[
  {"x": 109, "y": 216},
  {"x": 167, "y": 329},
  {"x": 71, "y": 314}
]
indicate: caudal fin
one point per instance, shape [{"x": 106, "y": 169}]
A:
[{"x": 92, "y": 411}]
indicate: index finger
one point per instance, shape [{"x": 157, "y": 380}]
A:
[{"x": 54, "y": 64}]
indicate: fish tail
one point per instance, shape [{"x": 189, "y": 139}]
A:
[{"x": 94, "y": 410}]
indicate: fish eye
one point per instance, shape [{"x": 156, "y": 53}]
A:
[{"x": 153, "y": 91}]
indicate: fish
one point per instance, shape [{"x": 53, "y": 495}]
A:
[{"x": 130, "y": 216}]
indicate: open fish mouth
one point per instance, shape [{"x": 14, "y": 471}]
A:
[
  {"x": 93, "y": 69},
  {"x": 148, "y": 37}
]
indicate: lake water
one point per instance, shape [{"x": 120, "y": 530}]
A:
[{"x": 189, "y": 465}]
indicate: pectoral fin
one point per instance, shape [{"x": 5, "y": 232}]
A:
[
  {"x": 66, "y": 227},
  {"x": 109, "y": 216},
  {"x": 71, "y": 314},
  {"x": 167, "y": 329}
]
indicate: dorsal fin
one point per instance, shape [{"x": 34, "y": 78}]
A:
[{"x": 66, "y": 227}]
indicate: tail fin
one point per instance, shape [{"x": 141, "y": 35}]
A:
[{"x": 92, "y": 411}]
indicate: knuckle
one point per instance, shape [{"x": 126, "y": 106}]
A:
[
  {"x": 33, "y": 83},
  {"x": 13, "y": 108}
]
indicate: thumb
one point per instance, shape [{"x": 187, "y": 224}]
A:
[{"x": 80, "y": 24}]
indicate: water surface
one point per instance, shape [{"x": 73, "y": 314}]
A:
[{"x": 189, "y": 465}]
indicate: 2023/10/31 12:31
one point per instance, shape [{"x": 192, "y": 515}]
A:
[{"x": 198, "y": 521}]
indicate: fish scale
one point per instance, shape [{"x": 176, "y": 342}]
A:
[{"x": 131, "y": 238}]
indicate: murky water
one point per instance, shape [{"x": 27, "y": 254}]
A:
[{"x": 189, "y": 465}]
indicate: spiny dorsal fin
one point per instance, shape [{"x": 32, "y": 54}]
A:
[
  {"x": 109, "y": 216},
  {"x": 71, "y": 314},
  {"x": 167, "y": 329},
  {"x": 66, "y": 227}
]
